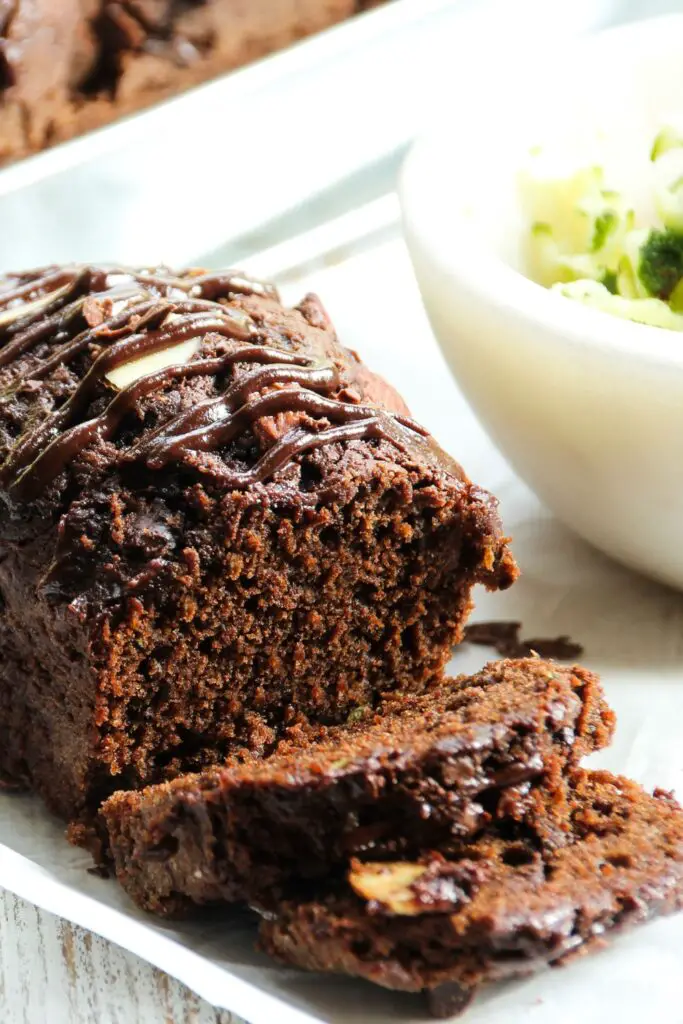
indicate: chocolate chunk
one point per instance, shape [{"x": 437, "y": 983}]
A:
[
  {"x": 448, "y": 1000},
  {"x": 504, "y": 637},
  {"x": 562, "y": 648}
]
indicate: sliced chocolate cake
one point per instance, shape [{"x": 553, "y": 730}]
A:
[
  {"x": 500, "y": 908},
  {"x": 216, "y": 525},
  {"x": 423, "y": 773}
]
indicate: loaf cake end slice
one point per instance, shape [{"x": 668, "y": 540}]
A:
[{"x": 502, "y": 908}]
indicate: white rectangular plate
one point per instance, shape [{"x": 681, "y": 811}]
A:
[{"x": 633, "y": 634}]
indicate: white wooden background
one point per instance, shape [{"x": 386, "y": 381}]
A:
[{"x": 52, "y": 972}]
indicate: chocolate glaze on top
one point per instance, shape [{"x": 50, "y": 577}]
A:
[{"x": 132, "y": 314}]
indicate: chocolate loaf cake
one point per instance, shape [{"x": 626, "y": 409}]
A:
[
  {"x": 426, "y": 772},
  {"x": 215, "y": 525},
  {"x": 74, "y": 65},
  {"x": 500, "y": 909}
]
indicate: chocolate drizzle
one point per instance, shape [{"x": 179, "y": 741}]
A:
[{"x": 131, "y": 314}]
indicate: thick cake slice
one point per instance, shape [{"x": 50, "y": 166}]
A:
[
  {"x": 431, "y": 772},
  {"x": 502, "y": 908},
  {"x": 215, "y": 524}
]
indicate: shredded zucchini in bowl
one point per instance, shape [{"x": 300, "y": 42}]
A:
[{"x": 585, "y": 244}]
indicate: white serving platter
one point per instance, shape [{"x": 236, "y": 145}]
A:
[{"x": 633, "y": 634}]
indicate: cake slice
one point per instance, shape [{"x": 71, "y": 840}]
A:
[
  {"x": 426, "y": 772},
  {"x": 215, "y": 524},
  {"x": 500, "y": 909}
]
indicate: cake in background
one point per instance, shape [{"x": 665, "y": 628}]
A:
[{"x": 71, "y": 66}]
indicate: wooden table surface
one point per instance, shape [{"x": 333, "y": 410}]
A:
[{"x": 54, "y": 973}]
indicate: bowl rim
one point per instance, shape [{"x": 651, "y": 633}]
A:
[{"x": 486, "y": 276}]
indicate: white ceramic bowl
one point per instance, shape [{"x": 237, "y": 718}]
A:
[{"x": 588, "y": 408}]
